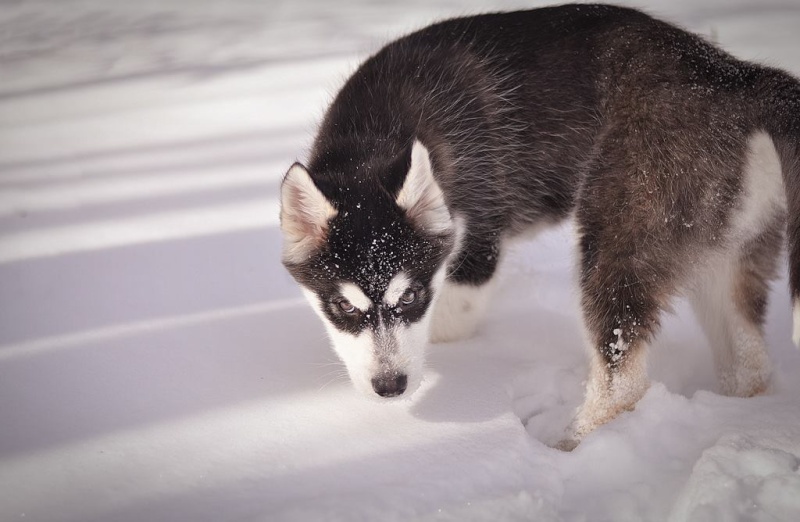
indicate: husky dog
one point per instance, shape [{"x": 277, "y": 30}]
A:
[{"x": 678, "y": 163}]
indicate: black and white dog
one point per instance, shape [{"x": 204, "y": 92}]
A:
[{"x": 679, "y": 163}]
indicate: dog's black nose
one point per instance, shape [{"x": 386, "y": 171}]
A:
[{"x": 389, "y": 385}]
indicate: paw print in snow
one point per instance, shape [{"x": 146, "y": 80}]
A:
[{"x": 545, "y": 400}]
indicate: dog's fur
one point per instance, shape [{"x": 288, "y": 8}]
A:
[{"x": 679, "y": 163}]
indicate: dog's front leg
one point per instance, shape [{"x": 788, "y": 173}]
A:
[
  {"x": 463, "y": 298},
  {"x": 458, "y": 311}
]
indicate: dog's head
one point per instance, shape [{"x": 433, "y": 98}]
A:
[{"x": 368, "y": 244}]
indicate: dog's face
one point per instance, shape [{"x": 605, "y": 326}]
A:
[{"x": 370, "y": 256}]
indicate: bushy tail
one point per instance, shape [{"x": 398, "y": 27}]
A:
[{"x": 780, "y": 112}]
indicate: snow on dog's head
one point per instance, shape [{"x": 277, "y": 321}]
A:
[{"x": 367, "y": 242}]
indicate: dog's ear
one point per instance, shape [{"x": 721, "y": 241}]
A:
[
  {"x": 305, "y": 213},
  {"x": 421, "y": 197}
]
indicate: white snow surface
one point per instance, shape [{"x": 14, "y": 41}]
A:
[{"x": 157, "y": 362}]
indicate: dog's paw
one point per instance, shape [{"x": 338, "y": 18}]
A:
[
  {"x": 458, "y": 312},
  {"x": 746, "y": 381},
  {"x": 446, "y": 328}
]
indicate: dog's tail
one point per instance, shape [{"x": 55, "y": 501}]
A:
[{"x": 779, "y": 99}]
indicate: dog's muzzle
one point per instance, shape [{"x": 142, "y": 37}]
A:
[{"x": 390, "y": 385}]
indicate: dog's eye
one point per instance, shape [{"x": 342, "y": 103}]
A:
[
  {"x": 408, "y": 297},
  {"x": 346, "y": 307}
]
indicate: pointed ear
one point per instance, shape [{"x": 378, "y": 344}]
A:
[
  {"x": 421, "y": 197},
  {"x": 305, "y": 213}
]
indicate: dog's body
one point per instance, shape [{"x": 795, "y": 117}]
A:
[{"x": 678, "y": 162}]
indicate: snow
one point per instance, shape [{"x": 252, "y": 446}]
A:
[{"x": 157, "y": 362}]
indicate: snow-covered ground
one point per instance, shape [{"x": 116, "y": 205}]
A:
[{"x": 157, "y": 363}]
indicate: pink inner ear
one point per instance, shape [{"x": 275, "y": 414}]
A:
[
  {"x": 302, "y": 213},
  {"x": 304, "y": 216},
  {"x": 316, "y": 224},
  {"x": 421, "y": 196}
]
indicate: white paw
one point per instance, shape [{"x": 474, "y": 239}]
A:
[{"x": 458, "y": 311}]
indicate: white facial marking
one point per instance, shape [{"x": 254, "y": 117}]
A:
[
  {"x": 400, "y": 348},
  {"x": 356, "y": 297},
  {"x": 397, "y": 286},
  {"x": 356, "y": 351},
  {"x": 358, "y": 355}
]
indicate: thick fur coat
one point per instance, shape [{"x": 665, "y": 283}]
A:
[{"x": 679, "y": 163}]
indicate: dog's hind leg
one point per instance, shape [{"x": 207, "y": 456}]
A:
[
  {"x": 621, "y": 303},
  {"x": 464, "y": 296},
  {"x": 730, "y": 302},
  {"x": 631, "y": 252}
]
